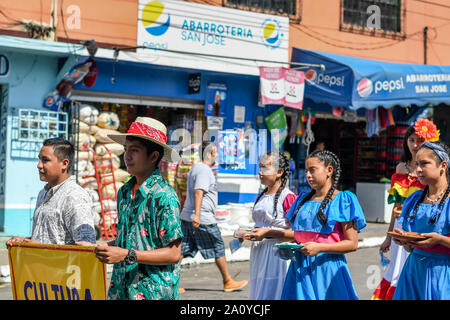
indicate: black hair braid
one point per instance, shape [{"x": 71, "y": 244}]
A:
[
  {"x": 283, "y": 164},
  {"x": 335, "y": 163},
  {"x": 406, "y": 155},
  {"x": 444, "y": 197},
  {"x": 308, "y": 197},
  {"x": 422, "y": 197},
  {"x": 328, "y": 158},
  {"x": 260, "y": 195}
]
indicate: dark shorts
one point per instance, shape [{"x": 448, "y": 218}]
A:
[{"x": 206, "y": 238}]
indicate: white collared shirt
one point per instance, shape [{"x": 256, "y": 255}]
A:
[{"x": 63, "y": 214}]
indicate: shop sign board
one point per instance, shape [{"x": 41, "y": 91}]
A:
[{"x": 195, "y": 28}]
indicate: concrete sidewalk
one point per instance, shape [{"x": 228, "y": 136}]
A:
[{"x": 371, "y": 236}]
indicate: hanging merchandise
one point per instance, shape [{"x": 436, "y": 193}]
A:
[
  {"x": 350, "y": 116},
  {"x": 282, "y": 86},
  {"x": 91, "y": 77},
  {"x": 293, "y": 127},
  {"x": 54, "y": 99},
  {"x": 294, "y": 84},
  {"x": 277, "y": 125},
  {"x": 300, "y": 129},
  {"x": 337, "y": 111},
  {"x": 216, "y": 100},
  {"x": 308, "y": 137},
  {"x": 371, "y": 122},
  {"x": 272, "y": 85}
]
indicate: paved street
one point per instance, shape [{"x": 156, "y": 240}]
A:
[{"x": 203, "y": 282}]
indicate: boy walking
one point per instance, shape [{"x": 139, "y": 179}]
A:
[{"x": 146, "y": 253}]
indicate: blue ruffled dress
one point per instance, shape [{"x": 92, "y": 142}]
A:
[
  {"x": 324, "y": 276},
  {"x": 426, "y": 274}
]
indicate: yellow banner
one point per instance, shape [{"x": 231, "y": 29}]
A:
[{"x": 56, "y": 272}]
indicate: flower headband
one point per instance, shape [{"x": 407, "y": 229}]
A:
[{"x": 426, "y": 130}]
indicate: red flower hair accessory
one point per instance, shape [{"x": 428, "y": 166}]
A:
[{"x": 426, "y": 130}]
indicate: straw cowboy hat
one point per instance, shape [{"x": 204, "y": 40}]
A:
[{"x": 152, "y": 130}]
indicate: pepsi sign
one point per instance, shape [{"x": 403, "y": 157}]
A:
[
  {"x": 356, "y": 83},
  {"x": 320, "y": 77}
]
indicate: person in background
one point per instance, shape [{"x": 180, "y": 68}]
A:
[
  {"x": 268, "y": 271},
  {"x": 198, "y": 218},
  {"x": 320, "y": 145},
  {"x": 63, "y": 213},
  {"x": 404, "y": 182},
  {"x": 326, "y": 221},
  {"x": 426, "y": 273}
]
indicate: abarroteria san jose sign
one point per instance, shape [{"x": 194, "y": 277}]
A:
[{"x": 196, "y": 28}]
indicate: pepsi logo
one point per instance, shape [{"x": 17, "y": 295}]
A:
[
  {"x": 365, "y": 88},
  {"x": 310, "y": 75}
]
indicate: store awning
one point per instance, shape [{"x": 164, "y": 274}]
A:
[{"x": 362, "y": 83}]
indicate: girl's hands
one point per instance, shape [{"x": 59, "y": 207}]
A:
[
  {"x": 386, "y": 245},
  {"x": 405, "y": 244},
  {"x": 311, "y": 248},
  {"x": 432, "y": 239},
  {"x": 256, "y": 234},
  {"x": 397, "y": 211}
]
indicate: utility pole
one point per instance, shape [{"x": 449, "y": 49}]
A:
[{"x": 425, "y": 44}]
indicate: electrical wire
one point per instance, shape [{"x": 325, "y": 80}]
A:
[
  {"x": 347, "y": 47},
  {"x": 434, "y": 3}
]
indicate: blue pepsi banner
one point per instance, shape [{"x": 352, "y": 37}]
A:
[{"x": 362, "y": 83}]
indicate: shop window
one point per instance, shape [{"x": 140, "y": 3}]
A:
[
  {"x": 290, "y": 8},
  {"x": 31, "y": 127},
  {"x": 374, "y": 17}
]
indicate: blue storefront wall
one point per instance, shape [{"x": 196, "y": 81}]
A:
[
  {"x": 146, "y": 80},
  {"x": 30, "y": 78}
]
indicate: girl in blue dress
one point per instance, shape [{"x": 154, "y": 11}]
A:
[
  {"x": 426, "y": 274},
  {"x": 326, "y": 221}
]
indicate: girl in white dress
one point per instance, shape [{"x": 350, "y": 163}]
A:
[{"x": 268, "y": 271}]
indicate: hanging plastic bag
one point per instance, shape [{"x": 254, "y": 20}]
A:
[
  {"x": 384, "y": 260},
  {"x": 235, "y": 244}
]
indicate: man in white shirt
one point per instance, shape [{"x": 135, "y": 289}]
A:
[{"x": 63, "y": 213}]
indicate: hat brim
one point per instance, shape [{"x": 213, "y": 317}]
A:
[{"x": 170, "y": 154}]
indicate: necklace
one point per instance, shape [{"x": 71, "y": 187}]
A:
[
  {"x": 411, "y": 177},
  {"x": 437, "y": 199}
]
